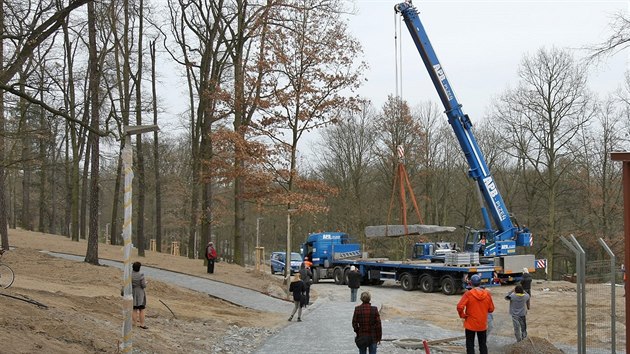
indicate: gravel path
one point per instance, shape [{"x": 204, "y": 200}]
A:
[{"x": 326, "y": 324}]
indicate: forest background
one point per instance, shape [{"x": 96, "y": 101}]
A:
[{"x": 261, "y": 76}]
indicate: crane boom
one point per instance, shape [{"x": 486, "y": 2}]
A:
[{"x": 504, "y": 239}]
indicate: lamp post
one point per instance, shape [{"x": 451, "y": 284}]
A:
[
  {"x": 259, "y": 250},
  {"x": 257, "y": 231},
  {"x": 127, "y": 159}
]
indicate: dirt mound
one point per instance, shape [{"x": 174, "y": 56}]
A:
[{"x": 532, "y": 345}]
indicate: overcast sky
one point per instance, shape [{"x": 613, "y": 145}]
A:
[{"x": 480, "y": 45}]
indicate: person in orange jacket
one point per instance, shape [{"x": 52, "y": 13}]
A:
[{"x": 474, "y": 307}]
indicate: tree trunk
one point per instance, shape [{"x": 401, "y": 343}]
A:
[
  {"x": 140, "y": 162},
  {"x": 113, "y": 230},
  {"x": 91, "y": 255},
  {"x": 4, "y": 235},
  {"x": 43, "y": 170},
  {"x": 25, "y": 215},
  {"x": 84, "y": 190},
  {"x": 156, "y": 159}
]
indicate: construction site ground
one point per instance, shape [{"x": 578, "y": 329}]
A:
[{"x": 83, "y": 309}]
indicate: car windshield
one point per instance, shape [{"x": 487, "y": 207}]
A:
[{"x": 296, "y": 256}]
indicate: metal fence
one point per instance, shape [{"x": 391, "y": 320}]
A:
[{"x": 600, "y": 303}]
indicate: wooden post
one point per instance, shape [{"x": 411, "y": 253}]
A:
[
  {"x": 260, "y": 258},
  {"x": 175, "y": 248},
  {"x": 152, "y": 245},
  {"x": 625, "y": 158}
]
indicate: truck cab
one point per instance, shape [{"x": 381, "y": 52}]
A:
[
  {"x": 433, "y": 251},
  {"x": 323, "y": 248}
]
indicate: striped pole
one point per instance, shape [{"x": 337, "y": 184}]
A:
[{"x": 127, "y": 157}]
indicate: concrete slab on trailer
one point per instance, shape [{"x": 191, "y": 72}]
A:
[{"x": 399, "y": 230}]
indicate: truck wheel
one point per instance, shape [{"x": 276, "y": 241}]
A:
[
  {"x": 407, "y": 282},
  {"x": 426, "y": 283},
  {"x": 338, "y": 276},
  {"x": 345, "y": 276},
  {"x": 315, "y": 276},
  {"x": 448, "y": 285},
  {"x": 272, "y": 272}
]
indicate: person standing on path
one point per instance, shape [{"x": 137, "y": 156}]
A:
[
  {"x": 474, "y": 307},
  {"x": 526, "y": 282},
  {"x": 366, "y": 322},
  {"x": 354, "y": 282},
  {"x": 211, "y": 256},
  {"x": 518, "y": 310},
  {"x": 138, "y": 284},
  {"x": 307, "y": 277},
  {"x": 297, "y": 288}
]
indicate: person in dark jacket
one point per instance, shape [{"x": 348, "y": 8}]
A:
[
  {"x": 297, "y": 289},
  {"x": 211, "y": 256},
  {"x": 526, "y": 283},
  {"x": 518, "y": 310},
  {"x": 366, "y": 321},
  {"x": 138, "y": 284},
  {"x": 307, "y": 277},
  {"x": 354, "y": 282}
]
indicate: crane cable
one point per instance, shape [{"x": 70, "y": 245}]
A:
[
  {"x": 398, "y": 56},
  {"x": 402, "y": 178}
]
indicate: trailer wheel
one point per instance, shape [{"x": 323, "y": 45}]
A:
[
  {"x": 448, "y": 285},
  {"x": 345, "y": 275},
  {"x": 315, "y": 277},
  {"x": 426, "y": 283},
  {"x": 407, "y": 281},
  {"x": 338, "y": 275}
]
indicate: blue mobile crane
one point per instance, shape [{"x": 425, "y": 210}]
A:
[{"x": 495, "y": 244}]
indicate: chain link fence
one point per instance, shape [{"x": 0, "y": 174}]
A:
[{"x": 599, "y": 308}]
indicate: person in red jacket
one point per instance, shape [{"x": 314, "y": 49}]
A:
[
  {"x": 474, "y": 307},
  {"x": 211, "y": 256}
]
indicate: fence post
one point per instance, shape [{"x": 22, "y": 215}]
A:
[
  {"x": 613, "y": 295},
  {"x": 580, "y": 265}
]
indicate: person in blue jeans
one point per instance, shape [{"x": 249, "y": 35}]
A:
[
  {"x": 518, "y": 310},
  {"x": 354, "y": 282}
]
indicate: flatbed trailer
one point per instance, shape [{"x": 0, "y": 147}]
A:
[
  {"x": 411, "y": 275},
  {"x": 332, "y": 255}
]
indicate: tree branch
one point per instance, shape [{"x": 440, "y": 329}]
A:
[
  {"x": 50, "y": 109},
  {"x": 36, "y": 38}
]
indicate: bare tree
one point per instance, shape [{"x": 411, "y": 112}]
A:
[
  {"x": 346, "y": 162},
  {"x": 618, "y": 40},
  {"x": 156, "y": 155},
  {"x": 91, "y": 255},
  {"x": 397, "y": 127},
  {"x": 137, "y": 78},
  {"x": 542, "y": 116},
  {"x": 199, "y": 29},
  {"x": 595, "y": 197},
  {"x": 4, "y": 234}
]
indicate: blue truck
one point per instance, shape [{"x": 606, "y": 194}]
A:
[{"x": 333, "y": 253}]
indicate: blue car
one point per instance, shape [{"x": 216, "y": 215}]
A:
[{"x": 278, "y": 261}]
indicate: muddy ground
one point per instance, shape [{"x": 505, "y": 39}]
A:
[{"x": 83, "y": 311}]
